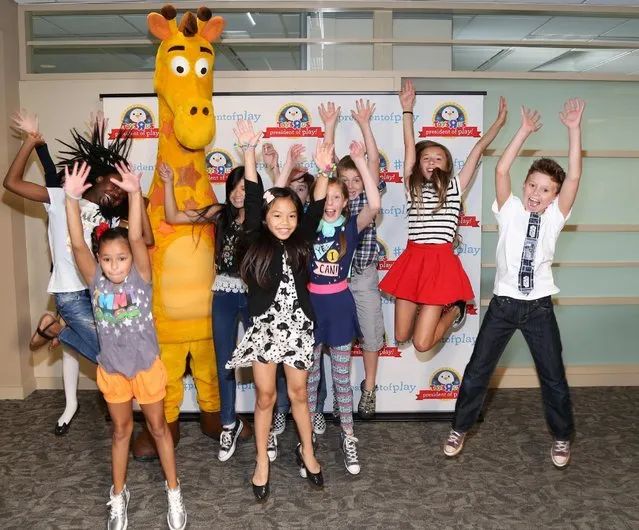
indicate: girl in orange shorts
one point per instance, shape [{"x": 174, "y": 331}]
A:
[{"x": 128, "y": 363}]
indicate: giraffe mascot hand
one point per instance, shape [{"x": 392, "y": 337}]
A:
[{"x": 182, "y": 258}]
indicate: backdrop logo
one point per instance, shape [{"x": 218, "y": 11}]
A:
[
  {"x": 386, "y": 351},
  {"x": 138, "y": 121},
  {"x": 293, "y": 121},
  {"x": 444, "y": 384},
  {"x": 218, "y": 165},
  {"x": 467, "y": 220},
  {"x": 450, "y": 119},
  {"x": 384, "y": 170},
  {"x": 384, "y": 262}
]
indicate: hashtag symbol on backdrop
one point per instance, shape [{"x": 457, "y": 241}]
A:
[
  {"x": 397, "y": 251},
  {"x": 398, "y": 164}
]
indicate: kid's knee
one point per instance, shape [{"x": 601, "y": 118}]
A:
[
  {"x": 298, "y": 394},
  {"x": 423, "y": 344},
  {"x": 123, "y": 430},
  {"x": 266, "y": 400}
]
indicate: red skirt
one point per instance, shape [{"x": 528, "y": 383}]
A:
[{"x": 428, "y": 274}]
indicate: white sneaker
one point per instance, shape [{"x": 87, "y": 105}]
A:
[
  {"x": 118, "y": 504},
  {"x": 176, "y": 515},
  {"x": 349, "y": 448},
  {"x": 319, "y": 423},
  {"x": 279, "y": 423},
  {"x": 271, "y": 447},
  {"x": 455, "y": 443},
  {"x": 560, "y": 453},
  {"x": 228, "y": 441}
]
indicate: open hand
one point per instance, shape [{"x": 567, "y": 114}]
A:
[
  {"x": 294, "y": 154},
  {"x": 323, "y": 156},
  {"x": 363, "y": 111},
  {"x": 246, "y": 135},
  {"x": 329, "y": 114},
  {"x": 530, "y": 120},
  {"x": 357, "y": 150},
  {"x": 28, "y": 124},
  {"x": 573, "y": 110},
  {"x": 130, "y": 181},
  {"x": 502, "y": 114},
  {"x": 165, "y": 172},
  {"x": 75, "y": 180},
  {"x": 270, "y": 155},
  {"x": 407, "y": 96}
]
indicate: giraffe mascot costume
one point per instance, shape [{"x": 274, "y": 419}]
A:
[{"x": 182, "y": 258}]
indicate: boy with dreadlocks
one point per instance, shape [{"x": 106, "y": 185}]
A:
[{"x": 102, "y": 203}]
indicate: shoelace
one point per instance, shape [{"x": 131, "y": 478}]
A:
[
  {"x": 454, "y": 438},
  {"x": 562, "y": 447},
  {"x": 117, "y": 506},
  {"x": 175, "y": 501},
  {"x": 271, "y": 443},
  {"x": 350, "y": 448},
  {"x": 226, "y": 439}
]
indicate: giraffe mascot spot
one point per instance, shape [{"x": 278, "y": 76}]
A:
[{"x": 182, "y": 258}]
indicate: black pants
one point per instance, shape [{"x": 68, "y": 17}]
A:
[{"x": 537, "y": 322}]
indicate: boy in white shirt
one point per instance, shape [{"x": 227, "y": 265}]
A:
[{"x": 528, "y": 232}]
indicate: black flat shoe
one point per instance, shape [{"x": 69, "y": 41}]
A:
[
  {"x": 61, "y": 430},
  {"x": 314, "y": 478},
  {"x": 261, "y": 492}
]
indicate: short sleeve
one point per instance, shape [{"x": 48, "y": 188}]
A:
[
  {"x": 56, "y": 199},
  {"x": 507, "y": 210},
  {"x": 555, "y": 217}
]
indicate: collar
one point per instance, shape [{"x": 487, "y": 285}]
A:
[{"x": 328, "y": 229}]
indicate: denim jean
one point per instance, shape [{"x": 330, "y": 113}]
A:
[
  {"x": 228, "y": 310},
  {"x": 536, "y": 320},
  {"x": 283, "y": 404},
  {"x": 80, "y": 332}
]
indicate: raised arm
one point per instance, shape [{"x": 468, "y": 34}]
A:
[
  {"x": 147, "y": 230},
  {"x": 247, "y": 140},
  {"x": 172, "y": 214},
  {"x": 362, "y": 115},
  {"x": 529, "y": 124},
  {"x": 271, "y": 159},
  {"x": 74, "y": 188},
  {"x": 369, "y": 211},
  {"x": 323, "y": 158},
  {"x": 14, "y": 179},
  {"x": 474, "y": 157},
  {"x": 407, "y": 100},
  {"x": 571, "y": 118},
  {"x": 293, "y": 157},
  {"x": 329, "y": 115},
  {"x": 131, "y": 184}
]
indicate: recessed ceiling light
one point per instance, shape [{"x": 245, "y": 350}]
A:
[{"x": 48, "y": 66}]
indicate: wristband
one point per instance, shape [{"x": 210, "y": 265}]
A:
[
  {"x": 328, "y": 171},
  {"x": 244, "y": 146},
  {"x": 407, "y": 112},
  {"x": 71, "y": 196}
]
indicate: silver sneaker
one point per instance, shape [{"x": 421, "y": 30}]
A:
[
  {"x": 455, "y": 443},
  {"x": 349, "y": 448},
  {"x": 176, "y": 515},
  {"x": 118, "y": 505},
  {"x": 271, "y": 446},
  {"x": 319, "y": 423},
  {"x": 560, "y": 453},
  {"x": 366, "y": 405},
  {"x": 279, "y": 423}
]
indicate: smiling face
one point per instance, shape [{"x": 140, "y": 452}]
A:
[
  {"x": 353, "y": 181},
  {"x": 108, "y": 193},
  {"x": 115, "y": 259},
  {"x": 236, "y": 197},
  {"x": 431, "y": 158},
  {"x": 336, "y": 201},
  {"x": 539, "y": 191},
  {"x": 446, "y": 378},
  {"x": 217, "y": 160},
  {"x": 137, "y": 115},
  {"x": 450, "y": 113},
  {"x": 293, "y": 114},
  {"x": 281, "y": 218},
  {"x": 301, "y": 189}
]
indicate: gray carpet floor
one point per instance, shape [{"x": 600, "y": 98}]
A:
[{"x": 504, "y": 479}]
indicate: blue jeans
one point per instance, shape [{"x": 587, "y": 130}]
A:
[
  {"x": 228, "y": 309},
  {"x": 283, "y": 404},
  {"x": 536, "y": 320},
  {"x": 80, "y": 332}
]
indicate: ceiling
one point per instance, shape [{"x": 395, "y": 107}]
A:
[{"x": 131, "y": 26}]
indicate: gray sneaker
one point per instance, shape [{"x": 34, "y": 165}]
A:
[
  {"x": 349, "y": 448},
  {"x": 271, "y": 446},
  {"x": 560, "y": 453},
  {"x": 455, "y": 443},
  {"x": 366, "y": 405},
  {"x": 118, "y": 506},
  {"x": 176, "y": 515}
]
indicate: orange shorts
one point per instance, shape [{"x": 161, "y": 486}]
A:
[{"x": 148, "y": 386}]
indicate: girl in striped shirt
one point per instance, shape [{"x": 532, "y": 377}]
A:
[{"x": 428, "y": 281}]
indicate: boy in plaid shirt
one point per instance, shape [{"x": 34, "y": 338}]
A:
[{"x": 364, "y": 276}]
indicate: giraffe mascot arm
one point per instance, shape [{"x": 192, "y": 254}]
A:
[{"x": 182, "y": 257}]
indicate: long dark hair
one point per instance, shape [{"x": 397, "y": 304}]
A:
[
  {"x": 255, "y": 259},
  {"x": 440, "y": 178}
]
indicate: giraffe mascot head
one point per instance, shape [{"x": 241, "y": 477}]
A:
[{"x": 183, "y": 269}]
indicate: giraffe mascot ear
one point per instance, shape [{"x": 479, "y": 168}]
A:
[
  {"x": 209, "y": 28},
  {"x": 162, "y": 25}
]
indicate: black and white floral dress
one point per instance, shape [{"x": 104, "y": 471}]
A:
[{"x": 282, "y": 334}]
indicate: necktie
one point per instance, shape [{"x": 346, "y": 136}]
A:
[{"x": 527, "y": 267}]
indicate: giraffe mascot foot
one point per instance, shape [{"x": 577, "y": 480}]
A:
[{"x": 183, "y": 270}]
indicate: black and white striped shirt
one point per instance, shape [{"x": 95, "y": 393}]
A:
[{"x": 425, "y": 225}]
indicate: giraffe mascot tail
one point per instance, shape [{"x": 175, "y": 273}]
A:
[{"x": 182, "y": 258}]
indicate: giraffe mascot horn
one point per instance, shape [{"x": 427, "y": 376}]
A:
[{"x": 182, "y": 258}]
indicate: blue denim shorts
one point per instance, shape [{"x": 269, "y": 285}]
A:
[{"x": 80, "y": 332}]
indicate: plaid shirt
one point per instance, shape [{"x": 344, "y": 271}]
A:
[{"x": 366, "y": 253}]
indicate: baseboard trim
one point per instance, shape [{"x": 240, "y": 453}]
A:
[
  {"x": 13, "y": 392},
  {"x": 578, "y": 375}
]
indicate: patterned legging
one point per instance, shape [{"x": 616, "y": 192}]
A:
[{"x": 341, "y": 373}]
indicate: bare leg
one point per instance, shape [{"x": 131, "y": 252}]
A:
[
  {"x": 405, "y": 312},
  {"x": 431, "y": 325},
  {"x": 122, "y": 419},
  {"x": 264, "y": 376},
  {"x": 156, "y": 422}
]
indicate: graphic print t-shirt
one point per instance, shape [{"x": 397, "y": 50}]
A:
[
  {"x": 128, "y": 341},
  {"x": 326, "y": 267}
]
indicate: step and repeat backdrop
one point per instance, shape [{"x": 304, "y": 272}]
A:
[{"x": 408, "y": 381}]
